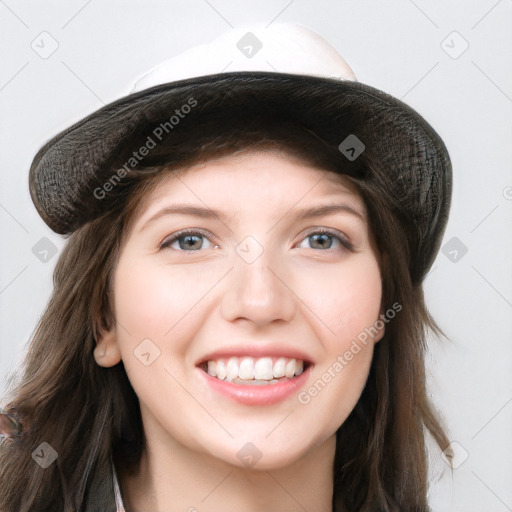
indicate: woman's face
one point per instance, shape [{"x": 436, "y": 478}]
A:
[{"x": 239, "y": 266}]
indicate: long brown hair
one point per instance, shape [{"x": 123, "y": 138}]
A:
[{"x": 88, "y": 413}]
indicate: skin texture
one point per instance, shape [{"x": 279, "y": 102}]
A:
[{"x": 298, "y": 293}]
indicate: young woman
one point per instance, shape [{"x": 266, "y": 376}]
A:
[{"x": 238, "y": 320}]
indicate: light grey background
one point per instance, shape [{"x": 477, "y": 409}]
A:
[{"x": 407, "y": 48}]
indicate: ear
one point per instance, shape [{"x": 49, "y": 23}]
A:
[
  {"x": 380, "y": 324},
  {"x": 379, "y": 336},
  {"x": 106, "y": 352}
]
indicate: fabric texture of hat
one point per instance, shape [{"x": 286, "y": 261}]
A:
[{"x": 287, "y": 74}]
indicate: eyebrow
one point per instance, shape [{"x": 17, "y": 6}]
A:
[{"x": 209, "y": 213}]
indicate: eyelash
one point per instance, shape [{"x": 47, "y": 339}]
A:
[{"x": 318, "y": 231}]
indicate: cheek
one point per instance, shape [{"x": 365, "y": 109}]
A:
[
  {"x": 154, "y": 308},
  {"x": 349, "y": 306},
  {"x": 156, "y": 301},
  {"x": 141, "y": 302},
  {"x": 346, "y": 298}
]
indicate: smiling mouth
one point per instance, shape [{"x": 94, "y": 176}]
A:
[{"x": 253, "y": 371}]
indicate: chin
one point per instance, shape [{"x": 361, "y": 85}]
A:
[{"x": 263, "y": 454}]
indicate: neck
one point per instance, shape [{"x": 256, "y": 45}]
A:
[{"x": 178, "y": 479}]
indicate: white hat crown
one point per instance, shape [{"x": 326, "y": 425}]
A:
[{"x": 282, "y": 48}]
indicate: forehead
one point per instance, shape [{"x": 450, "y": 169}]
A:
[{"x": 259, "y": 177}]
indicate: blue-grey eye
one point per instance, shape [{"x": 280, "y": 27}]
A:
[
  {"x": 324, "y": 240},
  {"x": 187, "y": 241}
]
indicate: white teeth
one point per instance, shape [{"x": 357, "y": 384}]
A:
[
  {"x": 246, "y": 369},
  {"x": 221, "y": 369},
  {"x": 256, "y": 370},
  {"x": 232, "y": 368},
  {"x": 255, "y": 382},
  {"x": 279, "y": 366},
  {"x": 289, "y": 369},
  {"x": 212, "y": 368},
  {"x": 263, "y": 369}
]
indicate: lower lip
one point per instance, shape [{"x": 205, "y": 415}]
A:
[{"x": 265, "y": 394}]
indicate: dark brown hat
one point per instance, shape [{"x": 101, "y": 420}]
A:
[
  {"x": 86, "y": 170},
  {"x": 379, "y": 138}
]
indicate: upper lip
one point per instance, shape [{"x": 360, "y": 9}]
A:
[{"x": 256, "y": 351}]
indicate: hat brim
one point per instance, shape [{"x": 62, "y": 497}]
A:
[{"x": 394, "y": 137}]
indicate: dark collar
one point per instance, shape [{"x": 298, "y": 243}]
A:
[{"x": 100, "y": 497}]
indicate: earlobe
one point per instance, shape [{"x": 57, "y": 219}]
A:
[
  {"x": 380, "y": 335},
  {"x": 381, "y": 326},
  {"x": 106, "y": 352}
]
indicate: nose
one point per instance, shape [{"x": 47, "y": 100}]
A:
[{"x": 259, "y": 292}]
